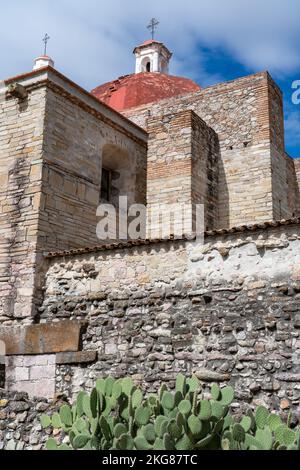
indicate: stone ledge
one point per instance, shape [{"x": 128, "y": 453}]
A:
[
  {"x": 41, "y": 339},
  {"x": 81, "y": 357}
]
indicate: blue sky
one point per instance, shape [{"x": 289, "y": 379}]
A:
[{"x": 213, "y": 41}]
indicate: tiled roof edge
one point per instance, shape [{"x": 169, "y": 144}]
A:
[{"x": 192, "y": 237}]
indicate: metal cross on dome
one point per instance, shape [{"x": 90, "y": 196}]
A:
[
  {"x": 45, "y": 40},
  {"x": 153, "y": 26}
]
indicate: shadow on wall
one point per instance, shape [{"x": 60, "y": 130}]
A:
[
  {"x": 118, "y": 175},
  {"x": 2, "y": 364},
  {"x": 223, "y": 198}
]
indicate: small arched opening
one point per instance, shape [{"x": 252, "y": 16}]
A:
[{"x": 146, "y": 65}]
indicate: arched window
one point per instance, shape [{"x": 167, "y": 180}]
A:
[{"x": 146, "y": 65}]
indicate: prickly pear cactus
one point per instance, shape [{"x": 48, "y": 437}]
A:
[{"x": 116, "y": 415}]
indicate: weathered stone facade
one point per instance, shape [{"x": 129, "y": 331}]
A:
[
  {"x": 247, "y": 116},
  {"x": 51, "y": 147},
  {"x": 20, "y": 427},
  {"x": 227, "y": 310}
]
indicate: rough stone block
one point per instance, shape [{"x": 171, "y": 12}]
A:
[
  {"x": 82, "y": 357},
  {"x": 41, "y": 339}
]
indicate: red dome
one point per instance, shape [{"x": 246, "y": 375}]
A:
[{"x": 142, "y": 88}]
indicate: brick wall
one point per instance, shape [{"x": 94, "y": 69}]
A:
[
  {"x": 247, "y": 116},
  {"x": 182, "y": 169}
]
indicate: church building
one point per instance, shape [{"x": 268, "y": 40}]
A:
[{"x": 73, "y": 308}]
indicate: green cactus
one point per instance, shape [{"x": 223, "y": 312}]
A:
[
  {"x": 105, "y": 428},
  {"x": 142, "y": 416},
  {"x": 94, "y": 403},
  {"x": 215, "y": 392},
  {"x": 66, "y": 417},
  {"x": 125, "y": 442},
  {"x": 45, "y": 421},
  {"x": 174, "y": 429},
  {"x": 261, "y": 417},
  {"x": 56, "y": 421},
  {"x": 141, "y": 443},
  {"x": 127, "y": 386},
  {"x": 51, "y": 444},
  {"x": 119, "y": 429},
  {"x": 205, "y": 410},
  {"x": 265, "y": 438},
  {"x": 148, "y": 432},
  {"x": 116, "y": 415},
  {"x": 100, "y": 386},
  {"x": 238, "y": 433},
  {"x": 285, "y": 436},
  {"x": 185, "y": 407},
  {"x": 195, "y": 425},
  {"x": 218, "y": 410},
  {"x": 274, "y": 422},
  {"x": 193, "y": 384},
  {"x": 117, "y": 389},
  {"x": 227, "y": 396},
  {"x": 246, "y": 423},
  {"x": 137, "y": 398},
  {"x": 168, "y": 401},
  {"x": 168, "y": 442},
  {"x": 184, "y": 444},
  {"x": 80, "y": 441},
  {"x": 181, "y": 384},
  {"x": 159, "y": 444},
  {"x": 109, "y": 383},
  {"x": 79, "y": 403}
]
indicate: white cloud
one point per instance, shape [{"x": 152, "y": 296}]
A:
[
  {"x": 92, "y": 41},
  {"x": 292, "y": 128}
]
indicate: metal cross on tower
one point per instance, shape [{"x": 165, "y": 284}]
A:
[
  {"x": 153, "y": 26},
  {"x": 45, "y": 40}
]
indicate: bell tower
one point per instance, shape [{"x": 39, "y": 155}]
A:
[{"x": 152, "y": 56}]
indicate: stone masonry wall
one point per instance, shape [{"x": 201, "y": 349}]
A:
[
  {"x": 247, "y": 116},
  {"x": 74, "y": 143},
  {"x": 293, "y": 195},
  {"x": 228, "y": 310},
  {"x": 297, "y": 183},
  {"x": 21, "y": 140},
  {"x": 51, "y": 144},
  {"x": 182, "y": 169},
  {"x": 20, "y": 427},
  {"x": 34, "y": 375}
]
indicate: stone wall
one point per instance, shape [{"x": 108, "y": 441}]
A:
[
  {"x": 247, "y": 116},
  {"x": 228, "y": 311},
  {"x": 183, "y": 155},
  {"x": 293, "y": 182},
  {"x": 74, "y": 143},
  {"x": 20, "y": 427},
  {"x": 51, "y": 145},
  {"x": 21, "y": 141}
]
